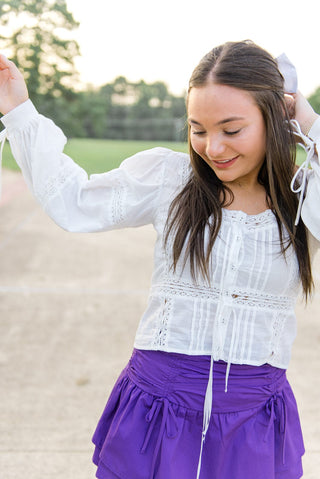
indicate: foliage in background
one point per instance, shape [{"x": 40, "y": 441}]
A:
[
  {"x": 132, "y": 111},
  {"x": 39, "y": 35},
  {"x": 314, "y": 100}
]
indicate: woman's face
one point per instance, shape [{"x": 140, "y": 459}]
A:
[{"x": 228, "y": 131}]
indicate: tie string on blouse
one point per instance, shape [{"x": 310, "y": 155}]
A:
[{"x": 310, "y": 148}]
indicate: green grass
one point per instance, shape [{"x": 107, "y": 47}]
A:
[
  {"x": 98, "y": 156},
  {"x": 301, "y": 155}
]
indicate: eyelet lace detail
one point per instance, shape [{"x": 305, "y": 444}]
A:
[
  {"x": 266, "y": 218},
  {"x": 54, "y": 184},
  {"x": 160, "y": 339},
  {"x": 277, "y": 328},
  {"x": 236, "y": 296},
  {"x": 118, "y": 201}
]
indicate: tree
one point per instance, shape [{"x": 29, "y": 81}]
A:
[
  {"x": 140, "y": 111},
  {"x": 38, "y": 37}
]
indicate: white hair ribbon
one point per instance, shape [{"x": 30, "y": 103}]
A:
[{"x": 289, "y": 73}]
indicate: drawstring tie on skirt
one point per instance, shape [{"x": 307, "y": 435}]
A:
[
  {"x": 277, "y": 403},
  {"x": 169, "y": 425}
]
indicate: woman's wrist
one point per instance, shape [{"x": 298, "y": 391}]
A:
[
  {"x": 20, "y": 115},
  {"x": 306, "y": 125}
]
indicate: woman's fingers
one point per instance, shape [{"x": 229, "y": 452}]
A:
[
  {"x": 13, "y": 90},
  {"x": 6, "y": 64},
  {"x": 3, "y": 60},
  {"x": 290, "y": 104}
]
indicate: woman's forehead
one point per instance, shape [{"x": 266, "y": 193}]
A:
[{"x": 220, "y": 102}]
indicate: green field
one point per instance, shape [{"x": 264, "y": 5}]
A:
[{"x": 97, "y": 156}]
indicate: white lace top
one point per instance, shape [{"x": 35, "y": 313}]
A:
[{"x": 246, "y": 315}]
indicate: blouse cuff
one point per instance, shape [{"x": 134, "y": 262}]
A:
[{"x": 20, "y": 116}]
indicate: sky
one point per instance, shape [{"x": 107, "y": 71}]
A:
[{"x": 164, "y": 40}]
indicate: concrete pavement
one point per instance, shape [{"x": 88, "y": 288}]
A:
[{"x": 69, "y": 307}]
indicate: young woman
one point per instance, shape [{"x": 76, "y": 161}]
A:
[{"x": 205, "y": 393}]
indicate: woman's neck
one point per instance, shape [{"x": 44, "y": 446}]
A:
[{"x": 249, "y": 199}]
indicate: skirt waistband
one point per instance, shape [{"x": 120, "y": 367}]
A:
[{"x": 183, "y": 379}]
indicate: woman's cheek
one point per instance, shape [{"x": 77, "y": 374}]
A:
[{"x": 198, "y": 147}]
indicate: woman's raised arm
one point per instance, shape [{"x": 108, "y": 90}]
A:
[{"x": 304, "y": 113}]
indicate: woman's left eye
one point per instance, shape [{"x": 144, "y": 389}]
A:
[{"x": 233, "y": 132}]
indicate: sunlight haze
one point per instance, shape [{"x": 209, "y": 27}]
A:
[{"x": 165, "y": 40}]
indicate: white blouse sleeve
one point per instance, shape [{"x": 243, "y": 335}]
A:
[
  {"x": 310, "y": 212},
  {"x": 127, "y": 196}
]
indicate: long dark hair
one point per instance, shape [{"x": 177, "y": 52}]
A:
[{"x": 248, "y": 67}]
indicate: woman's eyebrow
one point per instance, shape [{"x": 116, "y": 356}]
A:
[
  {"x": 228, "y": 120},
  {"x": 221, "y": 122},
  {"x": 194, "y": 122}
]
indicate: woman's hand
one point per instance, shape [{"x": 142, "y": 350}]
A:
[
  {"x": 304, "y": 113},
  {"x": 13, "y": 90}
]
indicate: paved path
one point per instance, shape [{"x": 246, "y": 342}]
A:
[{"x": 69, "y": 307}]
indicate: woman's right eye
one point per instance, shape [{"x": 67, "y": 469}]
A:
[
  {"x": 234, "y": 132},
  {"x": 198, "y": 132}
]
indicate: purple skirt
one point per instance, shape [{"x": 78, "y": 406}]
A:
[{"x": 151, "y": 427}]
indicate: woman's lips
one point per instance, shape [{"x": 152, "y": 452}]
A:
[{"x": 225, "y": 163}]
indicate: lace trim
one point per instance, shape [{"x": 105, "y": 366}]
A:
[
  {"x": 54, "y": 184},
  {"x": 277, "y": 328},
  {"x": 185, "y": 172},
  {"x": 235, "y": 296},
  {"x": 118, "y": 201},
  {"x": 265, "y": 218},
  {"x": 161, "y": 336}
]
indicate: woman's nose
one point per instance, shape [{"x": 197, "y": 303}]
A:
[{"x": 215, "y": 146}]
